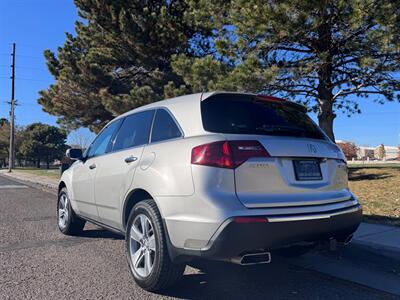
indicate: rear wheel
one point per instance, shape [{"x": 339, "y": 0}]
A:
[
  {"x": 68, "y": 222},
  {"x": 147, "y": 250}
]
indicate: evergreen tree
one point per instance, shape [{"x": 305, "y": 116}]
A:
[
  {"x": 42, "y": 142},
  {"x": 327, "y": 54},
  {"x": 119, "y": 59},
  {"x": 4, "y": 141}
]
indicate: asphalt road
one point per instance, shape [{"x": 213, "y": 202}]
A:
[{"x": 38, "y": 262}]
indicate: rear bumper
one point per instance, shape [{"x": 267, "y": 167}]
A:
[{"x": 233, "y": 239}]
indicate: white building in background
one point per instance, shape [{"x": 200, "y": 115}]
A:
[
  {"x": 371, "y": 153},
  {"x": 391, "y": 152},
  {"x": 364, "y": 153}
]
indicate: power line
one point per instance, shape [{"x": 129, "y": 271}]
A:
[
  {"x": 29, "y": 56},
  {"x": 32, "y": 79},
  {"x": 22, "y": 55},
  {"x": 26, "y": 79},
  {"x": 27, "y": 68}
]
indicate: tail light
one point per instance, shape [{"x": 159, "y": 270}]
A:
[{"x": 227, "y": 154}]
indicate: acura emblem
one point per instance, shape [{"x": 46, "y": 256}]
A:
[{"x": 312, "y": 148}]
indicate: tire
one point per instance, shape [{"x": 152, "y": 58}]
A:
[
  {"x": 148, "y": 258},
  {"x": 68, "y": 222}
]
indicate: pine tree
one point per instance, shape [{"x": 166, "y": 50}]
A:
[
  {"x": 120, "y": 58},
  {"x": 327, "y": 54}
]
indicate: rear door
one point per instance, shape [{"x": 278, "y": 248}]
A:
[
  {"x": 115, "y": 171},
  {"x": 302, "y": 166}
]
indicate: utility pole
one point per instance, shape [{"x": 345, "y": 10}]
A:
[{"x": 11, "y": 158}]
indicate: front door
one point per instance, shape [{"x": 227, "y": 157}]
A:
[
  {"x": 84, "y": 172},
  {"x": 115, "y": 171}
]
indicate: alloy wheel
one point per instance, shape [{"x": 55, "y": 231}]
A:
[
  {"x": 63, "y": 211},
  {"x": 142, "y": 246}
]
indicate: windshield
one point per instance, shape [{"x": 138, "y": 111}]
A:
[{"x": 246, "y": 114}]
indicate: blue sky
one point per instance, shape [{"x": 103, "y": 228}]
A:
[{"x": 39, "y": 24}]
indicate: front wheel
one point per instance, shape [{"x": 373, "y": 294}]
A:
[
  {"x": 68, "y": 222},
  {"x": 147, "y": 250}
]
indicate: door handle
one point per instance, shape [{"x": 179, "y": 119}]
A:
[
  {"x": 130, "y": 159},
  {"x": 93, "y": 166}
]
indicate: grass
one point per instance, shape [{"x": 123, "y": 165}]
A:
[
  {"x": 378, "y": 189},
  {"x": 51, "y": 173}
]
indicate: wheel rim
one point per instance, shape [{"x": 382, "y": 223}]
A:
[
  {"x": 142, "y": 246},
  {"x": 63, "y": 211}
]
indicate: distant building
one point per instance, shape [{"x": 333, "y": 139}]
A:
[
  {"x": 364, "y": 153},
  {"x": 371, "y": 153},
  {"x": 391, "y": 152}
]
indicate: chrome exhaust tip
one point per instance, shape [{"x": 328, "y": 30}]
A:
[
  {"x": 341, "y": 241},
  {"x": 253, "y": 259},
  {"x": 348, "y": 239}
]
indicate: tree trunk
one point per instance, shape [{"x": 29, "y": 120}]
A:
[
  {"x": 326, "y": 114},
  {"x": 38, "y": 163},
  {"x": 325, "y": 99},
  {"x": 47, "y": 163},
  {"x": 325, "y": 120},
  {"x": 325, "y": 91}
]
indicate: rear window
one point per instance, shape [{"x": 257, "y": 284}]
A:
[{"x": 241, "y": 114}]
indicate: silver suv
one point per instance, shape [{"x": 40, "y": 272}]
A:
[{"x": 224, "y": 176}]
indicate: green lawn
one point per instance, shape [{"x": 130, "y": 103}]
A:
[{"x": 51, "y": 173}]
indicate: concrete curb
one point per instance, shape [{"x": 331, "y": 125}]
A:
[
  {"x": 50, "y": 187},
  {"x": 378, "y": 249}
]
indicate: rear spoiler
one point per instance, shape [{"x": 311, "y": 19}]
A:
[{"x": 259, "y": 97}]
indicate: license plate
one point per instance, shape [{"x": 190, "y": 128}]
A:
[{"x": 307, "y": 170}]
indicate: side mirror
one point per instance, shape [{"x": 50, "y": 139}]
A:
[{"x": 74, "y": 154}]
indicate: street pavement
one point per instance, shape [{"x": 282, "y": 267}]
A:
[{"x": 38, "y": 262}]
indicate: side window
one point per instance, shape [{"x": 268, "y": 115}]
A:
[
  {"x": 164, "y": 127},
  {"x": 102, "y": 141},
  {"x": 134, "y": 131}
]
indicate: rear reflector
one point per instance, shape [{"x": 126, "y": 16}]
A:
[
  {"x": 227, "y": 154},
  {"x": 250, "y": 220}
]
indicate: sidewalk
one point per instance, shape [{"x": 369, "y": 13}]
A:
[
  {"x": 48, "y": 184},
  {"x": 380, "y": 239}
]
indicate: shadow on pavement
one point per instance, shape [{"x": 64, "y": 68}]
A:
[
  {"x": 278, "y": 280},
  {"x": 101, "y": 234}
]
